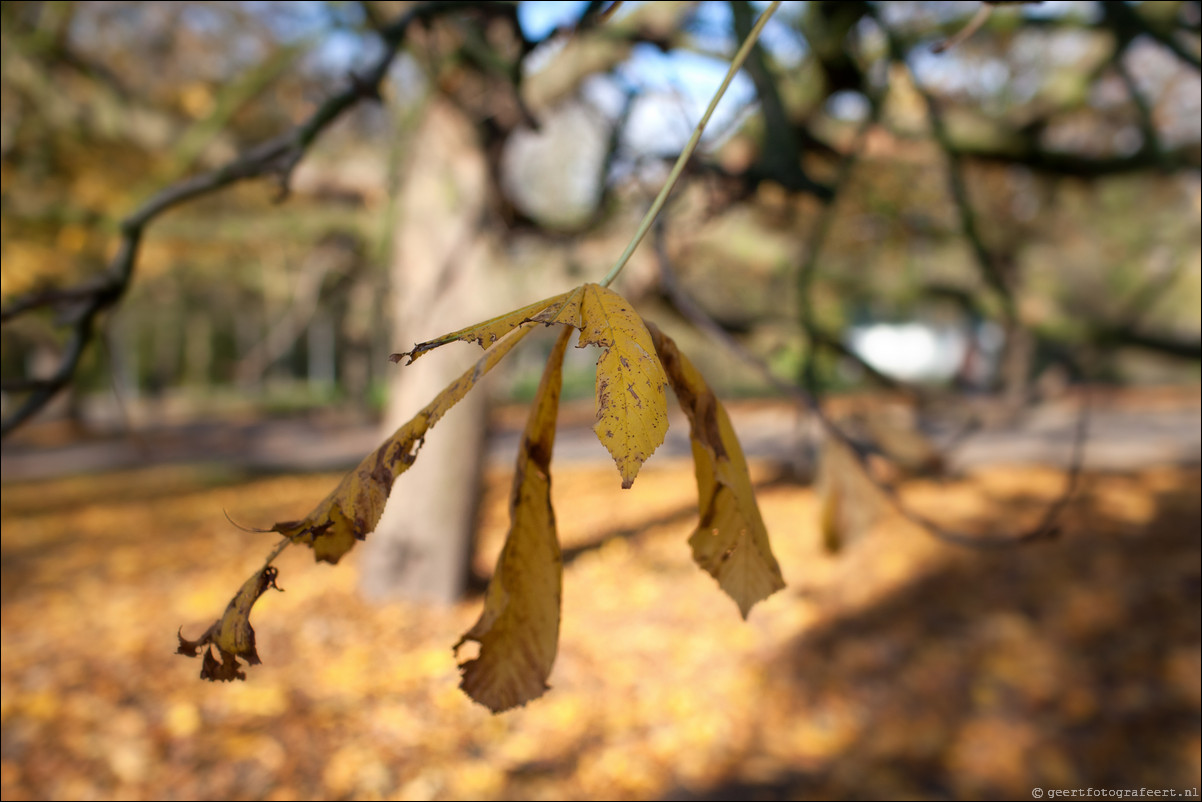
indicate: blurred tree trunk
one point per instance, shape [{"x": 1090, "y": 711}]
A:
[{"x": 422, "y": 547}]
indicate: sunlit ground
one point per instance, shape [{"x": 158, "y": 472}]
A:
[{"x": 903, "y": 667}]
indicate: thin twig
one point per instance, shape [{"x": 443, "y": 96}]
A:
[
  {"x": 974, "y": 25},
  {"x": 690, "y": 146}
]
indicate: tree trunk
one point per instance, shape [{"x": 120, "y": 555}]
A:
[{"x": 422, "y": 547}]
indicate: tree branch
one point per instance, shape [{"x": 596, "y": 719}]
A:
[
  {"x": 1112, "y": 336},
  {"x": 1127, "y": 23},
  {"x": 1070, "y": 165}
]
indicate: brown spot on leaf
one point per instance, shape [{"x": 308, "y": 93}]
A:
[{"x": 730, "y": 542}]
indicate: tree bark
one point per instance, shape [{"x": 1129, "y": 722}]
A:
[{"x": 421, "y": 549}]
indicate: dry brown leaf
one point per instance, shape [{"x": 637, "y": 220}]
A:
[
  {"x": 486, "y": 333},
  {"x": 353, "y": 509},
  {"x": 731, "y": 541},
  {"x": 632, "y": 409},
  {"x": 518, "y": 631},
  {"x": 232, "y": 634}
]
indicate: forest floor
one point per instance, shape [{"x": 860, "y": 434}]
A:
[{"x": 900, "y": 667}]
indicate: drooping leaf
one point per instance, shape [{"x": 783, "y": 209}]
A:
[
  {"x": 849, "y": 502},
  {"x": 830, "y": 514},
  {"x": 486, "y": 333},
  {"x": 231, "y": 635},
  {"x": 632, "y": 408},
  {"x": 353, "y": 509},
  {"x": 731, "y": 541},
  {"x": 518, "y": 631}
]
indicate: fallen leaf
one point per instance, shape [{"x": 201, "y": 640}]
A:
[
  {"x": 518, "y": 631},
  {"x": 232, "y": 634},
  {"x": 731, "y": 541},
  {"x": 353, "y": 509},
  {"x": 486, "y": 333},
  {"x": 632, "y": 409}
]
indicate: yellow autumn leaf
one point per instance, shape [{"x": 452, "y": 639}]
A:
[
  {"x": 731, "y": 541},
  {"x": 632, "y": 407},
  {"x": 518, "y": 631},
  {"x": 849, "y": 502},
  {"x": 232, "y": 634},
  {"x": 486, "y": 333},
  {"x": 353, "y": 509}
]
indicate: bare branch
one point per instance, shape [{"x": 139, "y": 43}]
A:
[
  {"x": 1070, "y": 165},
  {"x": 978, "y": 19},
  {"x": 1127, "y": 336}
]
